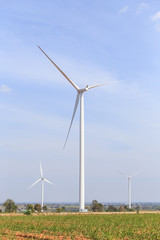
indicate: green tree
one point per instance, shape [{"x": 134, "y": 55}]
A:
[
  {"x": 97, "y": 207},
  {"x": 111, "y": 208},
  {"x": 60, "y": 209},
  {"x": 37, "y": 207},
  {"x": 30, "y": 207},
  {"x": 138, "y": 209},
  {"x": 126, "y": 207},
  {"x": 28, "y": 212},
  {"x": 45, "y": 208},
  {"x": 10, "y": 206},
  {"x": 122, "y": 209},
  {"x": 63, "y": 209}
]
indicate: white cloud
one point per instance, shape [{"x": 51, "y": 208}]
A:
[
  {"x": 123, "y": 10},
  {"x": 142, "y": 7},
  {"x": 40, "y": 70},
  {"x": 5, "y": 88},
  {"x": 156, "y": 16}
]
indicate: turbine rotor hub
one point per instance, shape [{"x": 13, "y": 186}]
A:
[{"x": 83, "y": 89}]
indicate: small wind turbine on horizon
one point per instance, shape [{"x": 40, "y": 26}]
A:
[
  {"x": 129, "y": 185},
  {"x": 42, "y": 179},
  {"x": 80, "y": 97}
]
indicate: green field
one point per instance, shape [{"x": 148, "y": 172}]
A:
[{"x": 82, "y": 226}]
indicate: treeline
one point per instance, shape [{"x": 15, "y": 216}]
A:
[
  {"x": 99, "y": 207},
  {"x": 10, "y": 206}
]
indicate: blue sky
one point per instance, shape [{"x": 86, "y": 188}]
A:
[{"x": 92, "y": 42}]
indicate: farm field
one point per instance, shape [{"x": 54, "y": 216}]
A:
[{"x": 80, "y": 226}]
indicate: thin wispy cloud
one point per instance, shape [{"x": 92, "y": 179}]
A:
[
  {"x": 5, "y": 89},
  {"x": 156, "y": 18},
  {"x": 123, "y": 10},
  {"x": 42, "y": 71},
  {"x": 142, "y": 7}
]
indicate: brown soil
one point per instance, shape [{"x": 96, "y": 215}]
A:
[{"x": 20, "y": 236}]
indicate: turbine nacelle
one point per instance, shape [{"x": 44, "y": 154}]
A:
[
  {"x": 129, "y": 177},
  {"x": 83, "y": 89},
  {"x": 41, "y": 179}
]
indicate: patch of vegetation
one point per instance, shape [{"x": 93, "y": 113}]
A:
[
  {"x": 30, "y": 208},
  {"x": 37, "y": 207},
  {"x": 10, "y": 206},
  {"x": 28, "y": 212},
  {"x": 88, "y": 226},
  {"x": 96, "y": 207}
]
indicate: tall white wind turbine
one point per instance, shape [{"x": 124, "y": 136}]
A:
[
  {"x": 80, "y": 97},
  {"x": 42, "y": 179},
  {"x": 129, "y": 185}
]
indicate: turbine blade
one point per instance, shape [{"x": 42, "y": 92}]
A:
[
  {"x": 122, "y": 174},
  {"x": 73, "y": 84},
  {"x": 48, "y": 181},
  {"x": 74, "y": 111},
  {"x": 135, "y": 174},
  {"x": 98, "y": 85},
  {"x": 34, "y": 183},
  {"x": 41, "y": 170}
]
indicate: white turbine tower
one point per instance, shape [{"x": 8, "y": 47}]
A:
[
  {"x": 129, "y": 185},
  {"x": 80, "y": 97},
  {"x": 42, "y": 179}
]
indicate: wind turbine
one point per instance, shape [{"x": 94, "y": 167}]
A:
[
  {"x": 42, "y": 179},
  {"x": 80, "y": 97},
  {"x": 129, "y": 185}
]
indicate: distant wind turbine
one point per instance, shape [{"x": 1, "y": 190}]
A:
[
  {"x": 80, "y": 97},
  {"x": 129, "y": 185},
  {"x": 42, "y": 179}
]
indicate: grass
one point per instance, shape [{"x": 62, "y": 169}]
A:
[{"x": 83, "y": 226}]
